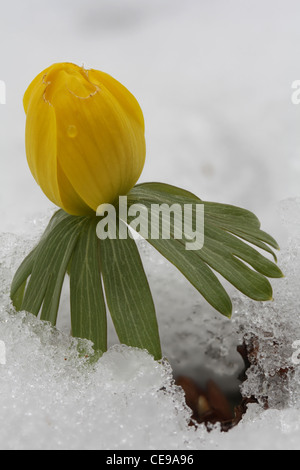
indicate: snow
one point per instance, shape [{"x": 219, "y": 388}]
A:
[
  {"x": 214, "y": 81},
  {"x": 55, "y": 395},
  {"x": 272, "y": 330}
]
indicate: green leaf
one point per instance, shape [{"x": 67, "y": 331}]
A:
[
  {"x": 222, "y": 250},
  {"x": 194, "y": 269},
  {"x": 226, "y": 241},
  {"x": 70, "y": 244},
  {"x": 57, "y": 217},
  {"x": 19, "y": 281},
  {"x": 254, "y": 241},
  {"x": 128, "y": 294},
  {"x": 240, "y": 221},
  {"x": 248, "y": 281},
  {"x": 237, "y": 220},
  {"x": 17, "y": 298},
  {"x": 51, "y": 259},
  {"x": 88, "y": 311},
  {"x": 156, "y": 189},
  {"x": 18, "y": 285},
  {"x": 196, "y": 272}
]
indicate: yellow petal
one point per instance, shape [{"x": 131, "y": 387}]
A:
[
  {"x": 85, "y": 139},
  {"x": 40, "y": 142},
  {"x": 71, "y": 202},
  {"x": 41, "y": 149},
  {"x": 122, "y": 94},
  {"x": 100, "y": 148}
]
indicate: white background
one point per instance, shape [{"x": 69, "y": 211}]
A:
[{"x": 213, "y": 78}]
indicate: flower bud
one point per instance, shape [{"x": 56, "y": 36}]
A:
[{"x": 85, "y": 141}]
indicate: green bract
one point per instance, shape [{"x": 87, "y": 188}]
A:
[{"x": 109, "y": 273}]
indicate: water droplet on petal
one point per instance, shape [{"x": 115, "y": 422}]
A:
[{"x": 72, "y": 131}]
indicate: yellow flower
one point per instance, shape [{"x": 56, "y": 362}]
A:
[{"x": 85, "y": 141}]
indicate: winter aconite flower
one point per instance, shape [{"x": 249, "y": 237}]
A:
[
  {"x": 85, "y": 146},
  {"x": 85, "y": 140}
]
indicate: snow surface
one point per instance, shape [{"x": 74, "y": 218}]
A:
[
  {"x": 214, "y": 81},
  {"x": 54, "y": 397}
]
